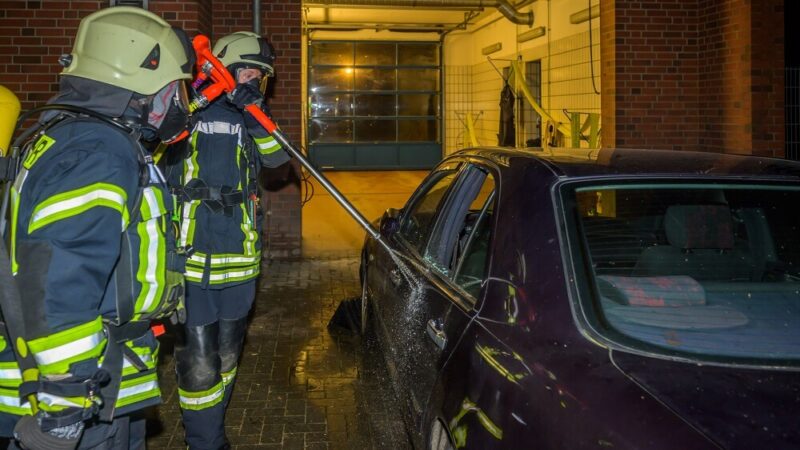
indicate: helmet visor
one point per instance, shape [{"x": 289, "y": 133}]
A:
[{"x": 181, "y": 99}]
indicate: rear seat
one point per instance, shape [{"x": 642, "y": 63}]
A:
[{"x": 701, "y": 245}]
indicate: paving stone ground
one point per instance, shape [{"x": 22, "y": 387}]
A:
[{"x": 300, "y": 386}]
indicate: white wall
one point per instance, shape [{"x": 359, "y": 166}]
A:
[{"x": 563, "y": 51}]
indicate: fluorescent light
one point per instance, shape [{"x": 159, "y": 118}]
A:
[
  {"x": 532, "y": 34},
  {"x": 583, "y": 15},
  {"x": 496, "y": 47}
]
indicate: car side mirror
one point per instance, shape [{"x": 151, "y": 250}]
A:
[{"x": 390, "y": 222}]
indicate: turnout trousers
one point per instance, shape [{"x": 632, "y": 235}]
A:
[{"x": 207, "y": 351}]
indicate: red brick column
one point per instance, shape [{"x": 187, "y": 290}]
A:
[
  {"x": 650, "y": 73},
  {"x": 767, "y": 78},
  {"x": 725, "y": 103},
  {"x": 693, "y": 74},
  {"x": 608, "y": 73},
  {"x": 280, "y": 21}
]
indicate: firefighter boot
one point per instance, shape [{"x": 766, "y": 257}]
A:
[
  {"x": 231, "y": 338},
  {"x": 200, "y": 386}
]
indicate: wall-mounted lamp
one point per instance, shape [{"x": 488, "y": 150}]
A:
[
  {"x": 532, "y": 34},
  {"x": 496, "y": 47},
  {"x": 583, "y": 15}
]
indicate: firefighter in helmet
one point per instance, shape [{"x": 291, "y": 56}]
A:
[
  {"x": 221, "y": 221},
  {"x": 92, "y": 247}
]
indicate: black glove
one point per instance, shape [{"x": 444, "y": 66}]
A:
[{"x": 246, "y": 94}]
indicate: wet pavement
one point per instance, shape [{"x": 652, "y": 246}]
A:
[{"x": 299, "y": 385}]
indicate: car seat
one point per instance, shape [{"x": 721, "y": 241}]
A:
[{"x": 702, "y": 245}]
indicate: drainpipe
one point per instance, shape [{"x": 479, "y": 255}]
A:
[
  {"x": 505, "y": 8},
  {"x": 257, "y": 17}
]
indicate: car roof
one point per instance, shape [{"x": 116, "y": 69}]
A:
[{"x": 579, "y": 163}]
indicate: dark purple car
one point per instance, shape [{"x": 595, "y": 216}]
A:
[{"x": 602, "y": 299}]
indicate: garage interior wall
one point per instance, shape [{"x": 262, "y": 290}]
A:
[{"x": 473, "y": 83}]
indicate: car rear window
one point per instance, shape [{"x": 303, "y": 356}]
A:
[{"x": 698, "y": 269}]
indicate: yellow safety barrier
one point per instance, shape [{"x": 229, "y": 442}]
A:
[
  {"x": 473, "y": 138},
  {"x": 9, "y": 111},
  {"x": 573, "y": 131},
  {"x": 522, "y": 86}
]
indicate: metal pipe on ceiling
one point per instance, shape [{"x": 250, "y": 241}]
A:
[
  {"x": 257, "y": 17},
  {"x": 505, "y": 8},
  {"x": 379, "y": 26}
]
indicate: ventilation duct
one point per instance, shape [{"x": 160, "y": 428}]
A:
[{"x": 505, "y": 8}]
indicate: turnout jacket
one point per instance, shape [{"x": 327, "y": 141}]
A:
[
  {"x": 91, "y": 245},
  {"x": 215, "y": 183}
]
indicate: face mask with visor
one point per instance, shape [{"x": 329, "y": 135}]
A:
[{"x": 169, "y": 111}]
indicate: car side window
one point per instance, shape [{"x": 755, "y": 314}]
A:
[
  {"x": 459, "y": 244},
  {"x": 472, "y": 264},
  {"x": 419, "y": 217}
]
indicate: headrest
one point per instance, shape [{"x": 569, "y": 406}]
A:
[
  {"x": 699, "y": 226},
  {"x": 669, "y": 291}
]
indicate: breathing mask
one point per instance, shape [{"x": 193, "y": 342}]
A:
[{"x": 168, "y": 112}]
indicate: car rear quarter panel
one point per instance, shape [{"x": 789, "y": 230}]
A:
[{"x": 524, "y": 375}]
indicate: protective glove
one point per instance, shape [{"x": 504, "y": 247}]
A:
[
  {"x": 30, "y": 436},
  {"x": 246, "y": 94}
]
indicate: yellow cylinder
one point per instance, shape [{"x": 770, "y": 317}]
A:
[{"x": 9, "y": 111}]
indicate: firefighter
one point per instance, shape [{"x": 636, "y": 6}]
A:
[
  {"x": 221, "y": 222},
  {"x": 92, "y": 248}
]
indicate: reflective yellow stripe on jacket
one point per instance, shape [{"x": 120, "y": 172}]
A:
[
  {"x": 71, "y": 203},
  {"x": 152, "y": 251},
  {"x": 224, "y": 267}
]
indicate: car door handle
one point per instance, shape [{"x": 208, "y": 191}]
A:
[
  {"x": 436, "y": 333},
  {"x": 394, "y": 275}
]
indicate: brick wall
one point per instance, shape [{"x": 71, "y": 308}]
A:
[
  {"x": 608, "y": 72},
  {"x": 767, "y": 78},
  {"x": 725, "y": 52},
  {"x": 652, "y": 71},
  {"x": 33, "y": 34},
  {"x": 280, "y": 23},
  {"x": 693, "y": 74}
]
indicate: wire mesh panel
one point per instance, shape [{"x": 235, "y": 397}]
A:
[
  {"x": 458, "y": 106},
  {"x": 792, "y": 119},
  {"x": 531, "y": 121}
]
